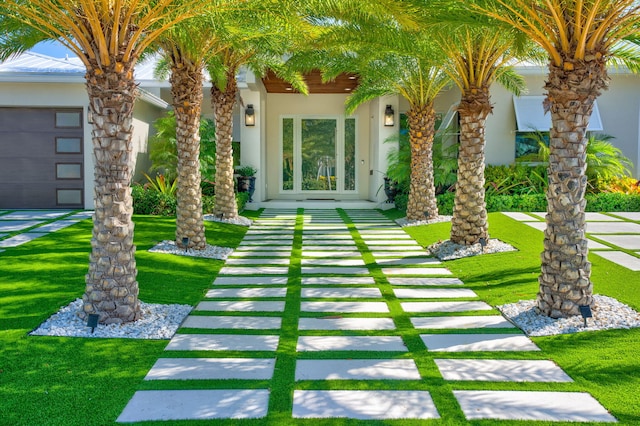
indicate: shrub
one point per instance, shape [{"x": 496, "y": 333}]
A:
[
  {"x": 515, "y": 179},
  {"x": 152, "y": 202},
  {"x": 612, "y": 202}
]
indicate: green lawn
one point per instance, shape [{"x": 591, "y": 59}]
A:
[{"x": 74, "y": 381}]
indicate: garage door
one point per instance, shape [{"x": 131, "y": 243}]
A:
[{"x": 41, "y": 158}]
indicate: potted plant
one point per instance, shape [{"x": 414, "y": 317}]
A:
[{"x": 247, "y": 180}]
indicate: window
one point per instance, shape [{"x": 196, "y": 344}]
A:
[
  {"x": 68, "y": 171},
  {"x": 68, "y": 145},
  {"x": 69, "y": 197},
  {"x": 69, "y": 119}
]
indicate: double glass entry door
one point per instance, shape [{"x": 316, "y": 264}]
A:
[{"x": 318, "y": 155}]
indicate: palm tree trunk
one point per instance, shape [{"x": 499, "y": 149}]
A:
[
  {"x": 565, "y": 279},
  {"x": 469, "y": 222},
  {"x": 223, "y": 102},
  {"x": 111, "y": 286},
  {"x": 186, "y": 89},
  {"x": 422, "y": 192}
]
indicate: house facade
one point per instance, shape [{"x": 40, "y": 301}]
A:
[{"x": 306, "y": 149}]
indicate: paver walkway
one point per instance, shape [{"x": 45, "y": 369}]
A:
[{"x": 349, "y": 340}]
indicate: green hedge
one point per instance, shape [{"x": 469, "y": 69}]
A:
[
  {"x": 155, "y": 203},
  {"x": 603, "y": 202}
]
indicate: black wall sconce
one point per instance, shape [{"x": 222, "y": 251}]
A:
[
  {"x": 249, "y": 116},
  {"x": 389, "y": 116}
]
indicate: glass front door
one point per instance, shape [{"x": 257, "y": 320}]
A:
[{"x": 318, "y": 155}]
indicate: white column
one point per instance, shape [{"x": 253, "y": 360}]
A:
[
  {"x": 251, "y": 149},
  {"x": 380, "y": 149}
]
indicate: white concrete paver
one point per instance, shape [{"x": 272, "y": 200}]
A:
[
  {"x": 334, "y": 324},
  {"x": 522, "y": 405},
  {"x": 629, "y": 215},
  {"x": 232, "y": 322},
  {"x": 337, "y": 270},
  {"x": 379, "y": 254},
  {"x": 613, "y": 228},
  {"x": 254, "y": 270},
  {"x": 464, "y": 322},
  {"x": 250, "y": 280},
  {"x": 336, "y": 280},
  {"x": 424, "y": 281},
  {"x": 344, "y": 307},
  {"x": 445, "y": 306},
  {"x": 212, "y": 369},
  {"x": 409, "y": 261},
  {"x": 628, "y": 242},
  {"x": 18, "y": 240},
  {"x": 35, "y": 214},
  {"x": 259, "y": 253},
  {"x": 247, "y": 292},
  {"x": 621, "y": 258},
  {"x": 433, "y": 293},
  {"x": 16, "y": 225},
  {"x": 240, "y": 306},
  {"x": 55, "y": 226},
  {"x": 222, "y": 342},
  {"x": 333, "y": 262},
  {"x": 351, "y": 343},
  {"x": 416, "y": 271},
  {"x": 257, "y": 261},
  {"x": 356, "y": 369},
  {"x": 341, "y": 292},
  {"x": 519, "y": 216},
  {"x": 196, "y": 405},
  {"x": 364, "y": 405},
  {"x": 330, "y": 253},
  {"x": 478, "y": 342},
  {"x": 501, "y": 370}
]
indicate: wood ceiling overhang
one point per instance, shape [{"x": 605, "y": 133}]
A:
[{"x": 344, "y": 83}]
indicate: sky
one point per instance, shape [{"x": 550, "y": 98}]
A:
[{"x": 52, "y": 48}]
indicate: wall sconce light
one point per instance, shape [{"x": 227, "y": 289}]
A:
[
  {"x": 389, "y": 116},
  {"x": 249, "y": 116}
]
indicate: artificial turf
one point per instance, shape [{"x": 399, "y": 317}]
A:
[{"x": 69, "y": 381}]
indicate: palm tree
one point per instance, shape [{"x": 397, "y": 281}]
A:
[
  {"x": 186, "y": 47},
  {"x": 108, "y": 37},
  {"x": 579, "y": 37},
  {"x": 256, "y": 38},
  {"x": 478, "y": 54}
]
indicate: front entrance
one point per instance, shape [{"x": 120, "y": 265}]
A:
[{"x": 318, "y": 156}]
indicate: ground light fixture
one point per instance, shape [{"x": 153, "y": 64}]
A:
[
  {"x": 585, "y": 311},
  {"x": 389, "y": 116},
  {"x": 249, "y": 116},
  {"x": 185, "y": 243},
  {"x": 92, "y": 321}
]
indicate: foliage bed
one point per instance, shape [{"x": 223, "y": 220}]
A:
[{"x": 150, "y": 202}]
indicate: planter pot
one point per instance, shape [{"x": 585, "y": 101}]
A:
[
  {"x": 390, "y": 190},
  {"x": 247, "y": 184}
]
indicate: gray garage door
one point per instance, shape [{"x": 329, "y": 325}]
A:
[{"x": 41, "y": 158}]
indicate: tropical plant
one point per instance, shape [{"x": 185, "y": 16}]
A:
[
  {"x": 604, "y": 160},
  {"x": 161, "y": 184},
  {"x": 246, "y": 170},
  {"x": 579, "y": 38},
  {"x": 108, "y": 37},
  {"x": 163, "y": 151}
]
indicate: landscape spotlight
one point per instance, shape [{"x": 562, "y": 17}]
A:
[
  {"x": 185, "y": 243},
  {"x": 585, "y": 311},
  {"x": 92, "y": 321}
]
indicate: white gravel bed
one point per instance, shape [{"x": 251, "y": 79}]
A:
[
  {"x": 157, "y": 322},
  {"x": 607, "y": 312},
  {"x": 448, "y": 250},
  {"x": 240, "y": 220},
  {"x": 210, "y": 252},
  {"x": 404, "y": 222}
]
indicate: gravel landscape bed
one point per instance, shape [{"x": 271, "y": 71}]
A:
[
  {"x": 210, "y": 252},
  {"x": 157, "y": 322},
  {"x": 607, "y": 312},
  {"x": 448, "y": 250}
]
